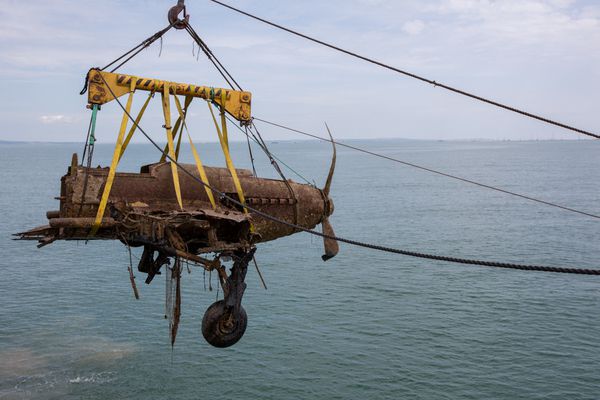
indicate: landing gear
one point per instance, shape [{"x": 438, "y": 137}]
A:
[
  {"x": 225, "y": 321},
  {"x": 222, "y": 327}
]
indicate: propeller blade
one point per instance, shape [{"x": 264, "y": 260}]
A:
[
  {"x": 331, "y": 245},
  {"x": 332, "y": 167}
]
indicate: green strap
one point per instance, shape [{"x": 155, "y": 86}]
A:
[{"x": 93, "y": 130}]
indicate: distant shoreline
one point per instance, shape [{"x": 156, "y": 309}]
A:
[{"x": 275, "y": 141}]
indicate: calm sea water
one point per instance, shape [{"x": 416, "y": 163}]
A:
[{"x": 365, "y": 325}]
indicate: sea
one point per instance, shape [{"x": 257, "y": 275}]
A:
[{"x": 364, "y": 325}]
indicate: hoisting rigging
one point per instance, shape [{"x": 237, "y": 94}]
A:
[{"x": 229, "y": 78}]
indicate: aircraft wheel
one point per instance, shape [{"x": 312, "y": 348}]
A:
[{"x": 220, "y": 327}]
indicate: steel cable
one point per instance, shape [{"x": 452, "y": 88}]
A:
[
  {"x": 430, "y": 170},
  {"x": 213, "y": 59},
  {"x": 412, "y": 75},
  {"x": 144, "y": 44},
  {"x": 249, "y": 135}
]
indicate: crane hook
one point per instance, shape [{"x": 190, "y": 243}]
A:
[{"x": 174, "y": 13}]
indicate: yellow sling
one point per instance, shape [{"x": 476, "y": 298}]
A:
[
  {"x": 166, "y": 102},
  {"x": 114, "y": 163},
  {"x": 199, "y": 165}
]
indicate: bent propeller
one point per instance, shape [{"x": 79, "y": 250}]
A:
[{"x": 331, "y": 245}]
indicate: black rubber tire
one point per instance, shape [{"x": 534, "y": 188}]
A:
[{"x": 217, "y": 330}]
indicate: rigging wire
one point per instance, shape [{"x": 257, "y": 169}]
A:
[
  {"x": 249, "y": 149},
  {"x": 225, "y": 74},
  {"x": 263, "y": 145},
  {"x": 581, "y": 271},
  {"x": 255, "y": 140},
  {"x": 211, "y": 54},
  {"x": 213, "y": 59},
  {"x": 277, "y": 168},
  {"x": 229, "y": 78},
  {"x": 135, "y": 50},
  {"x": 589, "y": 214},
  {"x": 144, "y": 44},
  {"x": 298, "y": 174},
  {"x": 412, "y": 75}
]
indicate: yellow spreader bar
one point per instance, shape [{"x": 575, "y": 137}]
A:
[{"x": 105, "y": 86}]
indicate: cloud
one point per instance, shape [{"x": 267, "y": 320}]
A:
[
  {"x": 413, "y": 27},
  {"x": 523, "y": 22},
  {"x": 56, "y": 119}
]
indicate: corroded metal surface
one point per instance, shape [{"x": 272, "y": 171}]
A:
[{"x": 143, "y": 209}]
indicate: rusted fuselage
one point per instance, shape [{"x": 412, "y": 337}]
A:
[{"x": 143, "y": 209}]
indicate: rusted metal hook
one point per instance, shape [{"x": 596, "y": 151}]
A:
[{"x": 174, "y": 15}]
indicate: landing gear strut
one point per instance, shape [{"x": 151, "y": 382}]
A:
[{"x": 225, "y": 321}]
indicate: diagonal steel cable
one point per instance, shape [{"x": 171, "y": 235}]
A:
[
  {"x": 413, "y": 75},
  {"x": 483, "y": 185}
]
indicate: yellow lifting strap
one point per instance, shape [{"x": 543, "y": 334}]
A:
[
  {"x": 223, "y": 122},
  {"x": 114, "y": 163},
  {"x": 135, "y": 125},
  {"x": 186, "y": 104},
  {"x": 232, "y": 171},
  {"x": 166, "y": 102},
  {"x": 199, "y": 165},
  {"x": 178, "y": 146},
  {"x": 176, "y": 130}
]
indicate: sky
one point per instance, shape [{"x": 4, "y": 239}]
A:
[{"x": 541, "y": 56}]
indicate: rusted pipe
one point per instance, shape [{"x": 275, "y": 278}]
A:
[
  {"x": 80, "y": 222},
  {"x": 52, "y": 214}
]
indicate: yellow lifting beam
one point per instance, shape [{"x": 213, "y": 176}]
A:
[{"x": 236, "y": 103}]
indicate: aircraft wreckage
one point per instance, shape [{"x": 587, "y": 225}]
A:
[{"x": 182, "y": 211}]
